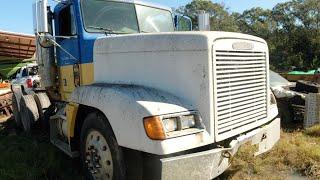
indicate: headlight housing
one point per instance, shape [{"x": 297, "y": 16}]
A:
[{"x": 175, "y": 125}]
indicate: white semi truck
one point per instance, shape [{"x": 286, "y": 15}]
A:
[{"x": 137, "y": 100}]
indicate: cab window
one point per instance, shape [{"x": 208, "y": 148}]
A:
[{"x": 67, "y": 25}]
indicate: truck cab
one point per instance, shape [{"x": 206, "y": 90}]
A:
[
  {"x": 135, "y": 99},
  {"x": 82, "y": 22}
]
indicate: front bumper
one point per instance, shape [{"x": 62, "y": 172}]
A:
[{"x": 210, "y": 164}]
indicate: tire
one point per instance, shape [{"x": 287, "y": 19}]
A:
[
  {"x": 43, "y": 103},
  {"x": 16, "y": 110},
  {"x": 97, "y": 140},
  {"x": 29, "y": 112}
]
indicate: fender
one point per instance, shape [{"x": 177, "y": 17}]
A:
[{"x": 125, "y": 106}]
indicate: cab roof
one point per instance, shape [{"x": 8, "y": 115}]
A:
[
  {"x": 144, "y": 3},
  {"x": 149, "y": 4}
]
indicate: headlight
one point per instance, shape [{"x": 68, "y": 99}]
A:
[
  {"x": 179, "y": 123},
  {"x": 170, "y": 124},
  {"x": 188, "y": 121},
  {"x": 163, "y": 127}
]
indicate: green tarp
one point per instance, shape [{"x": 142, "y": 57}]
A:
[
  {"x": 311, "y": 72},
  {"x": 8, "y": 69}
]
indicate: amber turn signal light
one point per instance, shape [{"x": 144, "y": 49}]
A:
[{"x": 153, "y": 127}]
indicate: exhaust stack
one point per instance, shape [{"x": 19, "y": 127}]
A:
[{"x": 204, "y": 21}]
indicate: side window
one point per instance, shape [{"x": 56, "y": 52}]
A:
[
  {"x": 17, "y": 73},
  {"x": 24, "y": 72},
  {"x": 67, "y": 26}
]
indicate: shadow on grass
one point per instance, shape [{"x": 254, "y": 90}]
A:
[
  {"x": 229, "y": 173},
  {"x": 25, "y": 156},
  {"x": 291, "y": 126},
  {"x": 313, "y": 131}
]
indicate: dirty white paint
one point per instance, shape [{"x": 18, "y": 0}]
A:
[
  {"x": 171, "y": 72},
  {"x": 173, "y": 62},
  {"x": 125, "y": 106},
  {"x": 209, "y": 164}
]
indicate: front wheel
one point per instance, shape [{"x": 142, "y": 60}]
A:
[{"x": 100, "y": 153}]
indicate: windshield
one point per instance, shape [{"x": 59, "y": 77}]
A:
[
  {"x": 154, "y": 20},
  {"x": 124, "y": 18},
  {"x": 115, "y": 17}
]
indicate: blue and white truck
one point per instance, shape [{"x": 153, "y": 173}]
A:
[{"x": 136, "y": 99}]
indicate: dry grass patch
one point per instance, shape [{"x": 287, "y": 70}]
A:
[
  {"x": 314, "y": 131},
  {"x": 297, "y": 155}
]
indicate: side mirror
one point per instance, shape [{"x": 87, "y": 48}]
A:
[{"x": 183, "y": 23}]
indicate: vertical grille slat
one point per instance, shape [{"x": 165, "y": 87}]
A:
[{"x": 241, "y": 90}]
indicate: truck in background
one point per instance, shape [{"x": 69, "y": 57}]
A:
[
  {"x": 27, "y": 77},
  {"x": 135, "y": 99}
]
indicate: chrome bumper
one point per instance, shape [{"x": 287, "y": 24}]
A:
[{"x": 210, "y": 164}]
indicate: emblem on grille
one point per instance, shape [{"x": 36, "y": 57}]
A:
[{"x": 242, "y": 46}]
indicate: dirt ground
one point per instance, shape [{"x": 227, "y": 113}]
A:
[{"x": 296, "y": 156}]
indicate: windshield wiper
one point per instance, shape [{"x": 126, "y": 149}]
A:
[{"x": 106, "y": 30}]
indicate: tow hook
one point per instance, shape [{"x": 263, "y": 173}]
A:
[
  {"x": 264, "y": 136},
  {"x": 227, "y": 154}
]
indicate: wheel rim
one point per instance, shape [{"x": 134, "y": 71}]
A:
[{"x": 98, "y": 157}]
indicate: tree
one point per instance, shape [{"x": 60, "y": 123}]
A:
[
  {"x": 292, "y": 29},
  {"x": 220, "y": 19},
  {"x": 256, "y": 21},
  {"x": 298, "y": 31}
]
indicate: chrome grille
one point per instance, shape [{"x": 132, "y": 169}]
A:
[{"x": 241, "y": 91}]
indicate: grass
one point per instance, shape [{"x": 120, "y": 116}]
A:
[
  {"x": 27, "y": 157},
  {"x": 297, "y": 155}
]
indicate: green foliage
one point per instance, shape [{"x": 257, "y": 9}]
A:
[
  {"x": 220, "y": 18},
  {"x": 8, "y": 69},
  {"x": 292, "y": 29}
]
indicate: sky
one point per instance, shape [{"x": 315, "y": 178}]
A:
[{"x": 16, "y": 15}]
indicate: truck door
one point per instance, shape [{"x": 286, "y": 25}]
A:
[{"x": 68, "y": 53}]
